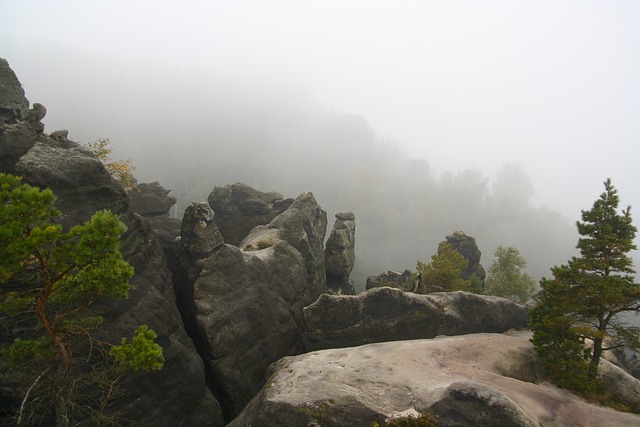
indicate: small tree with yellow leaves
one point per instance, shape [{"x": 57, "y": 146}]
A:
[{"x": 121, "y": 170}]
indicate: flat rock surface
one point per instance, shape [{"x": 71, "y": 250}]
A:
[{"x": 470, "y": 380}]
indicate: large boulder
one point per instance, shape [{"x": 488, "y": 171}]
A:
[
  {"x": 238, "y": 208},
  {"x": 404, "y": 281},
  {"x": 389, "y": 314},
  {"x": 475, "y": 380},
  {"x": 340, "y": 255},
  {"x": 79, "y": 180},
  {"x": 303, "y": 225},
  {"x": 150, "y": 199},
  {"x": 467, "y": 247},
  {"x": 243, "y": 305}
]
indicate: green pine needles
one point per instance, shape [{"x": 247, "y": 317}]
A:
[
  {"x": 577, "y": 317},
  {"x": 50, "y": 282}
]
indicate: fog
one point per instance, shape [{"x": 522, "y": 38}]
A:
[{"x": 498, "y": 118}]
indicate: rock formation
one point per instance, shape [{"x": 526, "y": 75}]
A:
[
  {"x": 152, "y": 201},
  {"x": 388, "y": 314},
  {"x": 473, "y": 380},
  {"x": 467, "y": 247},
  {"x": 404, "y": 281},
  {"x": 79, "y": 180},
  {"x": 20, "y": 127},
  {"x": 239, "y": 208},
  {"x": 339, "y": 254},
  {"x": 83, "y": 186},
  {"x": 244, "y": 305}
]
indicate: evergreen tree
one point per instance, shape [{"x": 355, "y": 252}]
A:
[
  {"x": 505, "y": 277},
  {"x": 578, "y": 314},
  {"x": 50, "y": 282},
  {"x": 443, "y": 273}
]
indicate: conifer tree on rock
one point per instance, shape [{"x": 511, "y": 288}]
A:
[
  {"x": 443, "y": 273},
  {"x": 50, "y": 284},
  {"x": 578, "y": 313}
]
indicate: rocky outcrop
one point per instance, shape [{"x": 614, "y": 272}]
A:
[
  {"x": 79, "y": 180},
  {"x": 388, "y": 314},
  {"x": 150, "y": 200},
  {"x": 473, "y": 380},
  {"x": 303, "y": 225},
  {"x": 340, "y": 255},
  {"x": 467, "y": 247},
  {"x": 177, "y": 395},
  {"x": 20, "y": 127},
  {"x": 239, "y": 208},
  {"x": 403, "y": 281},
  {"x": 244, "y": 305}
]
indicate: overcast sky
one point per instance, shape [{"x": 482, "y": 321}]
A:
[{"x": 554, "y": 85}]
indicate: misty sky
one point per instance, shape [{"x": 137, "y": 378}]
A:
[{"x": 553, "y": 85}]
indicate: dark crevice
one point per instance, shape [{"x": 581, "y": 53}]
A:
[{"x": 183, "y": 289}]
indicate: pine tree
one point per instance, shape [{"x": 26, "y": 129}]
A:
[
  {"x": 505, "y": 277},
  {"x": 443, "y": 273},
  {"x": 50, "y": 283},
  {"x": 583, "y": 302}
]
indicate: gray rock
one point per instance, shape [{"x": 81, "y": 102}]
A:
[
  {"x": 403, "y": 281},
  {"x": 17, "y": 133},
  {"x": 14, "y": 106},
  {"x": 150, "y": 200},
  {"x": 453, "y": 378},
  {"x": 239, "y": 208},
  {"x": 388, "y": 314},
  {"x": 177, "y": 395},
  {"x": 243, "y": 320},
  {"x": 199, "y": 234},
  {"x": 339, "y": 254},
  {"x": 303, "y": 225},
  {"x": 467, "y": 247},
  {"x": 243, "y": 306},
  {"x": 79, "y": 180}
]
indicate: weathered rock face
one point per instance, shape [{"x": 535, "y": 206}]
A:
[
  {"x": 303, "y": 225},
  {"x": 473, "y": 380},
  {"x": 150, "y": 200},
  {"x": 79, "y": 180},
  {"x": 466, "y": 245},
  {"x": 20, "y": 127},
  {"x": 388, "y": 314},
  {"x": 177, "y": 395},
  {"x": 239, "y": 208},
  {"x": 244, "y": 306},
  {"x": 340, "y": 255},
  {"x": 393, "y": 279}
]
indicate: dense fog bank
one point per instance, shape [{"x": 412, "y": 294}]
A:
[{"x": 193, "y": 130}]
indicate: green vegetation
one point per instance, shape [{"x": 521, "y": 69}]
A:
[
  {"x": 577, "y": 316},
  {"x": 505, "y": 277},
  {"x": 443, "y": 273},
  {"x": 51, "y": 282}
]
